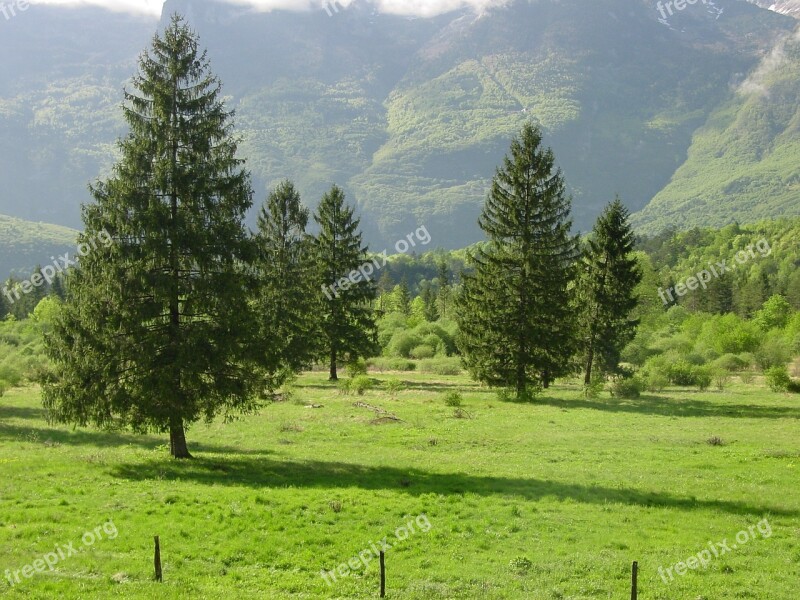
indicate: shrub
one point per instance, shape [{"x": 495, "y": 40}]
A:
[
  {"x": 355, "y": 368},
  {"x": 450, "y": 365},
  {"x": 422, "y": 351},
  {"x": 730, "y": 362},
  {"x": 520, "y": 564},
  {"x": 681, "y": 373},
  {"x": 3, "y": 387},
  {"x": 361, "y": 384},
  {"x": 722, "y": 378},
  {"x": 506, "y": 395},
  {"x": 746, "y": 377},
  {"x": 630, "y": 388},
  {"x": 593, "y": 389},
  {"x": 388, "y": 363},
  {"x": 343, "y": 386},
  {"x": 392, "y": 386},
  {"x": 530, "y": 394},
  {"x": 778, "y": 379},
  {"x": 452, "y": 398},
  {"x": 655, "y": 380},
  {"x": 402, "y": 343},
  {"x": 702, "y": 378},
  {"x": 773, "y": 352}
]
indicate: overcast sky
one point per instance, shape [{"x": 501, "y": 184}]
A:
[{"x": 408, "y": 7}]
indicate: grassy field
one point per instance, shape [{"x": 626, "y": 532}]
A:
[{"x": 549, "y": 500}]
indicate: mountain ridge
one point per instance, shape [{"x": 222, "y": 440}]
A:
[{"x": 409, "y": 116}]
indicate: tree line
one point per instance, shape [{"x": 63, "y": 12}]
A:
[{"x": 187, "y": 315}]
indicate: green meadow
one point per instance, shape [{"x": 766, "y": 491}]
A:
[{"x": 548, "y": 500}]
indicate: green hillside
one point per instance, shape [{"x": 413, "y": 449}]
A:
[
  {"x": 409, "y": 116},
  {"x": 24, "y": 244},
  {"x": 742, "y": 164}
]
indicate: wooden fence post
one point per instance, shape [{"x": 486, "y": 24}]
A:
[
  {"x": 157, "y": 560},
  {"x": 634, "y": 580},
  {"x": 383, "y": 576}
]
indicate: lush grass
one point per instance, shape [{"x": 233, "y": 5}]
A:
[{"x": 578, "y": 487}]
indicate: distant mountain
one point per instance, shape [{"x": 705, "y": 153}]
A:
[
  {"x": 784, "y": 7},
  {"x": 743, "y": 164},
  {"x": 24, "y": 244},
  {"x": 410, "y": 115}
]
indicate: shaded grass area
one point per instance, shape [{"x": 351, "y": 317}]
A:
[{"x": 544, "y": 500}]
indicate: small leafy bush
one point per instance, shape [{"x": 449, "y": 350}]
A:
[
  {"x": 630, "y": 388},
  {"x": 453, "y": 398},
  {"x": 702, "y": 378},
  {"x": 450, "y": 365},
  {"x": 592, "y": 390},
  {"x": 390, "y": 363},
  {"x": 778, "y": 379},
  {"x": 422, "y": 351},
  {"x": 393, "y": 386},
  {"x": 360, "y": 384},
  {"x": 355, "y": 368},
  {"x": 520, "y": 564}
]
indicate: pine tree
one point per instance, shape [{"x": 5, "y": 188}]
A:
[
  {"x": 445, "y": 290},
  {"x": 348, "y": 324},
  {"x": 287, "y": 301},
  {"x": 608, "y": 290},
  {"x": 403, "y": 297},
  {"x": 429, "y": 312},
  {"x": 154, "y": 332},
  {"x": 514, "y": 311}
]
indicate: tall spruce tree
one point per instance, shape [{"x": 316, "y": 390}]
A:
[
  {"x": 153, "y": 334},
  {"x": 287, "y": 301},
  {"x": 444, "y": 295},
  {"x": 608, "y": 294},
  {"x": 348, "y": 323},
  {"x": 514, "y": 312}
]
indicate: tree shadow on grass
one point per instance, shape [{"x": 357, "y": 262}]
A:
[
  {"x": 668, "y": 407},
  {"x": 36, "y": 432},
  {"x": 268, "y": 473}
]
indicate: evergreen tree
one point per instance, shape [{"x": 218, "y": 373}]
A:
[
  {"x": 445, "y": 291},
  {"x": 287, "y": 301},
  {"x": 429, "y": 311},
  {"x": 154, "y": 332},
  {"x": 348, "y": 324},
  {"x": 403, "y": 297},
  {"x": 608, "y": 290},
  {"x": 385, "y": 287},
  {"x": 514, "y": 313}
]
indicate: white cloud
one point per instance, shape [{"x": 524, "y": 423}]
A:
[{"x": 403, "y": 7}]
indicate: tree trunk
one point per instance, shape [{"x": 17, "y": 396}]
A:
[
  {"x": 177, "y": 439},
  {"x": 520, "y": 381},
  {"x": 545, "y": 379},
  {"x": 334, "y": 376},
  {"x": 589, "y": 360}
]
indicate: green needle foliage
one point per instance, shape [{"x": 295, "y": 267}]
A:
[
  {"x": 608, "y": 290},
  {"x": 517, "y": 326},
  {"x": 348, "y": 322},
  {"x": 287, "y": 302},
  {"x": 154, "y": 331}
]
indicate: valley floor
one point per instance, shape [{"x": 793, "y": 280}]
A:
[{"x": 544, "y": 501}]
